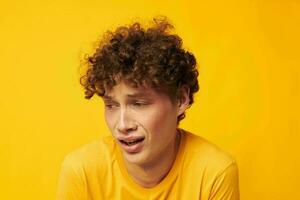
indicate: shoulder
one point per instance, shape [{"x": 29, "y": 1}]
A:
[
  {"x": 83, "y": 165},
  {"x": 91, "y": 155},
  {"x": 206, "y": 155}
]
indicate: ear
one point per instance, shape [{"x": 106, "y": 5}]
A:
[{"x": 183, "y": 99}]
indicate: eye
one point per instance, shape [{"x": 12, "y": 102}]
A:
[
  {"x": 139, "y": 104},
  {"x": 108, "y": 106},
  {"x": 111, "y": 105}
]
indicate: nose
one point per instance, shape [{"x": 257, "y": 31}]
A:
[{"x": 126, "y": 123}]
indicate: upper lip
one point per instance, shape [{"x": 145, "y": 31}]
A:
[{"x": 131, "y": 138}]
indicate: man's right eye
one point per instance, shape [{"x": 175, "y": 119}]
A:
[{"x": 110, "y": 106}]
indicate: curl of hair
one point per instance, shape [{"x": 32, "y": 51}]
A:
[{"x": 152, "y": 57}]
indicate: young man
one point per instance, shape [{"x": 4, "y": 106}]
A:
[{"x": 147, "y": 81}]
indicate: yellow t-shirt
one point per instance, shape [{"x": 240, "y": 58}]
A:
[{"x": 200, "y": 171}]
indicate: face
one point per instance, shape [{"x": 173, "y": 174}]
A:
[{"x": 142, "y": 120}]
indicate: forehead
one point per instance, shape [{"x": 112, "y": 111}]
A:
[{"x": 123, "y": 89}]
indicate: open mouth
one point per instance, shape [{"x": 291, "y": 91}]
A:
[{"x": 132, "y": 142}]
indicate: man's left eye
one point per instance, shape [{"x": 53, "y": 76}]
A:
[{"x": 138, "y": 104}]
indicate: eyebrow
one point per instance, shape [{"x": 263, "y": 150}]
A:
[{"x": 134, "y": 95}]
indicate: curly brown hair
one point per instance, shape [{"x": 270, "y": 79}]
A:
[{"x": 152, "y": 57}]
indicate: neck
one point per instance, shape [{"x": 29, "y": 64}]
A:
[{"x": 150, "y": 175}]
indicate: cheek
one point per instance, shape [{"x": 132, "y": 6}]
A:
[
  {"x": 109, "y": 119},
  {"x": 160, "y": 120}
]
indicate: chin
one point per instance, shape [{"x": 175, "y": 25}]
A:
[{"x": 135, "y": 159}]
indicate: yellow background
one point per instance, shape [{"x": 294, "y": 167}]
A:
[{"x": 248, "y": 53}]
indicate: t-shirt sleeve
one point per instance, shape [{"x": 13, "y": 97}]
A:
[
  {"x": 226, "y": 185},
  {"x": 71, "y": 183}
]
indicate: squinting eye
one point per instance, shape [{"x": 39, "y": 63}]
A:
[
  {"x": 139, "y": 104},
  {"x": 110, "y": 106}
]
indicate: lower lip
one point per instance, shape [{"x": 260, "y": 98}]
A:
[{"x": 133, "y": 148}]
